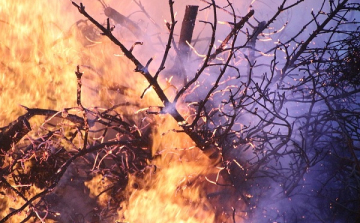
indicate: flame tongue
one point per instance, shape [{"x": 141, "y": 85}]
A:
[
  {"x": 173, "y": 189},
  {"x": 35, "y": 66},
  {"x": 42, "y": 52}
]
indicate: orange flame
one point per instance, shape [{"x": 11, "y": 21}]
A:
[{"x": 42, "y": 52}]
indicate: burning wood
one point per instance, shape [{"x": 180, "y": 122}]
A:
[{"x": 238, "y": 137}]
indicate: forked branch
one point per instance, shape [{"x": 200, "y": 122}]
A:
[{"x": 169, "y": 107}]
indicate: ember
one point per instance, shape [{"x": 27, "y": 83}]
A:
[{"x": 209, "y": 112}]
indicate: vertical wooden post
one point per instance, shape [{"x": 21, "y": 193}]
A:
[
  {"x": 178, "y": 70},
  {"x": 187, "y": 29}
]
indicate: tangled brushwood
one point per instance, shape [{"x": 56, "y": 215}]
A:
[{"x": 262, "y": 125}]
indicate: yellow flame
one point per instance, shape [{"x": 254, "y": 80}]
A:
[
  {"x": 30, "y": 52},
  {"x": 42, "y": 43}
]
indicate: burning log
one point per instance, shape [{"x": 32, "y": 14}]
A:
[{"x": 13, "y": 133}]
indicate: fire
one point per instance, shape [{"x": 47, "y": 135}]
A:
[
  {"x": 105, "y": 117},
  {"x": 30, "y": 52},
  {"x": 13, "y": 200},
  {"x": 43, "y": 48},
  {"x": 175, "y": 189},
  {"x": 40, "y": 43}
]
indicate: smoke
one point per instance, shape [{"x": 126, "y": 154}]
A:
[{"x": 284, "y": 158}]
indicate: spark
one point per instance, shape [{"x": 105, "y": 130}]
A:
[
  {"x": 267, "y": 54},
  {"x": 170, "y": 79},
  {"x": 265, "y": 40},
  {"x": 251, "y": 144},
  {"x": 182, "y": 123},
  {"x": 277, "y": 31},
  {"x": 141, "y": 110},
  {"x": 195, "y": 51},
  {"x": 51, "y": 117},
  {"x": 21, "y": 185},
  {"x": 213, "y": 134},
  {"x": 204, "y": 118},
  {"x": 237, "y": 163},
  {"x": 210, "y": 181},
  {"x": 223, "y": 23}
]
